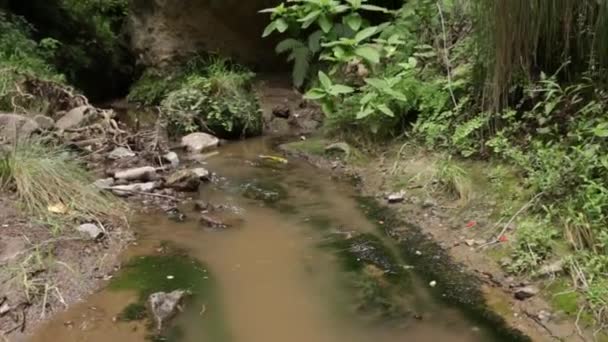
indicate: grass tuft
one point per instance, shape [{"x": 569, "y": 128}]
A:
[
  {"x": 453, "y": 179},
  {"x": 51, "y": 184}
]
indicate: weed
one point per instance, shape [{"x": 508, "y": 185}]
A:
[
  {"x": 453, "y": 179},
  {"x": 51, "y": 185}
]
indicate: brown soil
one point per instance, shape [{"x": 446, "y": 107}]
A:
[
  {"x": 446, "y": 222},
  {"x": 42, "y": 273}
]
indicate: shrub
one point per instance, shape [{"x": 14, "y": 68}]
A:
[{"x": 219, "y": 98}]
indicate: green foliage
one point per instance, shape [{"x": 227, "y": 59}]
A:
[
  {"x": 534, "y": 244},
  {"x": 20, "y": 55},
  {"x": 342, "y": 35},
  {"x": 218, "y": 98},
  {"x": 152, "y": 87}
]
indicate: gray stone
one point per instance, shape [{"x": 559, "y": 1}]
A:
[
  {"x": 91, "y": 230},
  {"x": 525, "y": 292},
  {"x": 396, "y": 197},
  {"x": 213, "y": 222},
  {"x": 44, "y": 122},
  {"x": 14, "y": 127},
  {"x": 120, "y": 153},
  {"x": 145, "y": 173},
  {"x": 198, "y": 142},
  {"x": 73, "y": 119},
  {"x": 172, "y": 158},
  {"x": 165, "y": 305},
  {"x": 104, "y": 184},
  {"x": 133, "y": 189},
  {"x": 429, "y": 203},
  {"x": 188, "y": 179}
]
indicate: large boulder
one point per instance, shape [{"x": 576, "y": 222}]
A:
[
  {"x": 187, "y": 180},
  {"x": 74, "y": 118},
  {"x": 199, "y": 142},
  {"x": 14, "y": 127},
  {"x": 44, "y": 122}
]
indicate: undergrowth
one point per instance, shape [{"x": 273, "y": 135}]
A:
[
  {"x": 459, "y": 78},
  {"x": 204, "y": 94}
]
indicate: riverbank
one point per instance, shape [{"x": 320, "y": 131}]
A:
[{"x": 464, "y": 227}]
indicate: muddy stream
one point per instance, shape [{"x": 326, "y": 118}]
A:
[{"x": 302, "y": 262}]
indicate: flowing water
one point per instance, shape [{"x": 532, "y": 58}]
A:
[{"x": 271, "y": 277}]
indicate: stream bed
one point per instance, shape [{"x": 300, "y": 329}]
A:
[{"x": 300, "y": 262}]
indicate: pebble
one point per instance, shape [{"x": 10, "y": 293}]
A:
[{"x": 433, "y": 283}]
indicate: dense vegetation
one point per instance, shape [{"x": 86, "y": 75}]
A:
[
  {"x": 516, "y": 81},
  {"x": 210, "y": 94}
]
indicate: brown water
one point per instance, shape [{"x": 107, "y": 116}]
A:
[{"x": 274, "y": 283}]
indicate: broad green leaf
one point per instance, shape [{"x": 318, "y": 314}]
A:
[
  {"x": 384, "y": 109},
  {"x": 327, "y": 108},
  {"x": 325, "y": 23},
  {"x": 339, "y": 52},
  {"x": 338, "y": 89},
  {"x": 376, "y": 83},
  {"x": 340, "y": 9},
  {"x": 315, "y": 94},
  {"x": 366, "y": 33},
  {"x": 395, "y": 94},
  {"x": 269, "y": 29},
  {"x": 364, "y": 112},
  {"x": 287, "y": 45},
  {"x": 314, "y": 41},
  {"x": 325, "y": 81},
  {"x": 374, "y": 8},
  {"x": 268, "y": 10},
  {"x": 353, "y": 21},
  {"x": 282, "y": 25},
  {"x": 601, "y": 130},
  {"x": 310, "y": 18},
  {"x": 367, "y": 98},
  {"x": 368, "y": 53}
]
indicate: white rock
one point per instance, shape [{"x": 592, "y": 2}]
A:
[
  {"x": 165, "y": 305},
  {"x": 396, "y": 197},
  {"x": 138, "y": 173},
  {"x": 433, "y": 283},
  {"x": 91, "y": 230},
  {"x": 120, "y": 153},
  {"x": 198, "y": 142},
  {"x": 172, "y": 158},
  {"x": 133, "y": 189}
]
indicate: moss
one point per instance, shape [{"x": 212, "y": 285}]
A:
[
  {"x": 266, "y": 191},
  {"x": 562, "y": 297},
  {"x": 313, "y": 146},
  {"x": 133, "y": 312},
  {"x": 149, "y": 274},
  {"x": 168, "y": 272}
]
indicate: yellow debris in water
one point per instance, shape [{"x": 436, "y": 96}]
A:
[{"x": 274, "y": 158}]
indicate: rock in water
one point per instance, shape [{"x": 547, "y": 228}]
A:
[
  {"x": 73, "y": 119},
  {"x": 187, "y": 180},
  {"x": 139, "y": 173},
  {"x": 120, "y": 153},
  {"x": 165, "y": 305},
  {"x": 14, "y": 127},
  {"x": 91, "y": 230},
  {"x": 198, "y": 142},
  {"x": 212, "y": 222}
]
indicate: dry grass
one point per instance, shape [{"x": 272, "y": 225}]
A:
[{"x": 51, "y": 184}]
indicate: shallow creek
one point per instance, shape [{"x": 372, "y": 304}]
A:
[{"x": 286, "y": 270}]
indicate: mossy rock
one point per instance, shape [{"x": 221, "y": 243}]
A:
[{"x": 265, "y": 191}]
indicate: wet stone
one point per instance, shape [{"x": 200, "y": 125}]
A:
[
  {"x": 525, "y": 292},
  {"x": 265, "y": 191},
  {"x": 165, "y": 306}
]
